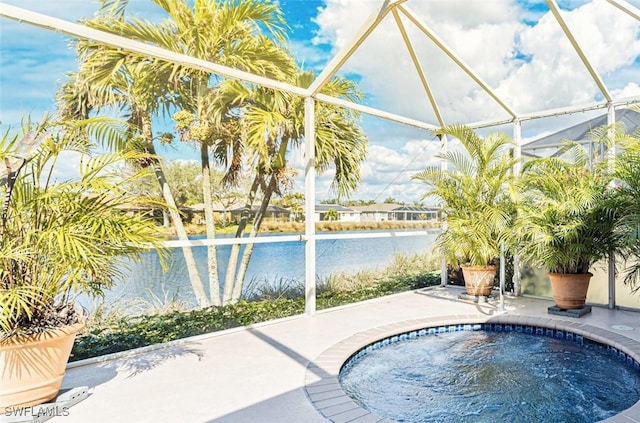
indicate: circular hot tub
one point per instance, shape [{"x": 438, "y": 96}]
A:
[{"x": 482, "y": 372}]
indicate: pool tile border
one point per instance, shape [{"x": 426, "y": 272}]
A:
[{"x": 329, "y": 399}]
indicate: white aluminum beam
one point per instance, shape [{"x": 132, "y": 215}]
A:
[
  {"x": 517, "y": 138},
  {"x": 418, "y": 66},
  {"x": 84, "y": 32},
  {"x": 455, "y": 58},
  {"x": 623, "y": 101},
  {"x": 81, "y": 31},
  {"x": 370, "y": 235},
  {"x": 563, "y": 111},
  {"x": 444, "y": 268},
  {"x": 517, "y": 170},
  {"x": 555, "y": 10},
  {"x": 627, "y": 8},
  {"x": 375, "y": 112}
]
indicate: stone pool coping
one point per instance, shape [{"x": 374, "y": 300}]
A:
[{"x": 327, "y": 396}]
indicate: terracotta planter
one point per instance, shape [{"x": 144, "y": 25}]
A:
[
  {"x": 33, "y": 366},
  {"x": 570, "y": 290},
  {"x": 478, "y": 280}
]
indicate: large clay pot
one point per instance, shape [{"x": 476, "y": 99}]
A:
[
  {"x": 33, "y": 366},
  {"x": 479, "y": 279},
  {"x": 570, "y": 290}
]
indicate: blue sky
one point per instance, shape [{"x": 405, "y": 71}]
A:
[{"x": 514, "y": 46}]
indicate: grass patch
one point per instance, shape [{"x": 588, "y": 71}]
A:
[{"x": 298, "y": 227}]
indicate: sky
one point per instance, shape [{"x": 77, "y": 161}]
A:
[{"x": 514, "y": 46}]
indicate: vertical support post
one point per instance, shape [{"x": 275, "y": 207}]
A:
[
  {"x": 444, "y": 272},
  {"x": 611, "y": 274},
  {"x": 517, "y": 169},
  {"x": 502, "y": 277},
  {"x": 611, "y": 157},
  {"x": 611, "y": 151},
  {"x": 309, "y": 207}
]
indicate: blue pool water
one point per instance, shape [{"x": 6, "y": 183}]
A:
[{"x": 484, "y": 376}]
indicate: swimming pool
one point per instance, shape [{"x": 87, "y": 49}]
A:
[
  {"x": 489, "y": 375},
  {"x": 324, "y": 390}
]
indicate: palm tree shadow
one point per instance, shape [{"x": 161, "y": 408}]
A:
[{"x": 132, "y": 365}]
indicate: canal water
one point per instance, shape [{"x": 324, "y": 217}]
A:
[{"x": 271, "y": 263}]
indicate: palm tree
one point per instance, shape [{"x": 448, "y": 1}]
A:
[
  {"x": 105, "y": 80},
  {"x": 243, "y": 34},
  {"x": 331, "y": 215},
  {"x": 275, "y": 126},
  {"x": 227, "y": 117},
  {"x": 474, "y": 192}
]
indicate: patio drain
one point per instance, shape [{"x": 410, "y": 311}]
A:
[{"x": 621, "y": 327}]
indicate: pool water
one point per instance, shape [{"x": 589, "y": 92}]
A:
[{"x": 484, "y": 376}]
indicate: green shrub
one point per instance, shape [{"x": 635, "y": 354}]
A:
[{"x": 126, "y": 333}]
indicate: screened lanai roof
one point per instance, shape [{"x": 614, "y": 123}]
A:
[{"x": 505, "y": 69}]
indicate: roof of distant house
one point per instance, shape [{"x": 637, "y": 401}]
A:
[
  {"x": 270, "y": 209},
  {"x": 384, "y": 207},
  {"x": 416, "y": 209},
  {"x": 216, "y": 206},
  {"x": 336, "y": 207}
]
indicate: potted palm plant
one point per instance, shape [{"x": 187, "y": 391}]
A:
[
  {"x": 57, "y": 239},
  {"x": 566, "y": 220},
  {"x": 474, "y": 191}
]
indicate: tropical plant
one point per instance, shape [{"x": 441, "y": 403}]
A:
[
  {"x": 224, "y": 118},
  {"x": 110, "y": 79},
  {"x": 275, "y": 127},
  {"x": 475, "y": 194},
  {"x": 295, "y": 203},
  {"x": 246, "y": 36},
  {"x": 626, "y": 194},
  {"x": 567, "y": 214},
  {"x": 63, "y": 238},
  {"x": 331, "y": 215}
]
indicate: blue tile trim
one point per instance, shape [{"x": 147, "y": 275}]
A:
[{"x": 489, "y": 327}]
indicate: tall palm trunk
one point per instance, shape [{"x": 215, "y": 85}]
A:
[
  {"x": 246, "y": 255},
  {"x": 212, "y": 257},
  {"x": 232, "y": 264},
  {"x": 194, "y": 276},
  {"x": 235, "y": 277}
]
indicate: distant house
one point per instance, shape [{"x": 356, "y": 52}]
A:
[
  {"x": 344, "y": 214},
  {"x": 395, "y": 212},
  {"x": 132, "y": 209},
  {"x": 416, "y": 213},
  {"x": 376, "y": 212},
  {"x": 273, "y": 213},
  {"x": 221, "y": 212}
]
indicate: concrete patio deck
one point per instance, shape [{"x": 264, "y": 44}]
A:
[{"x": 258, "y": 374}]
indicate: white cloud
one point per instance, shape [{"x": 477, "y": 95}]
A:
[
  {"x": 631, "y": 89},
  {"x": 309, "y": 56}
]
